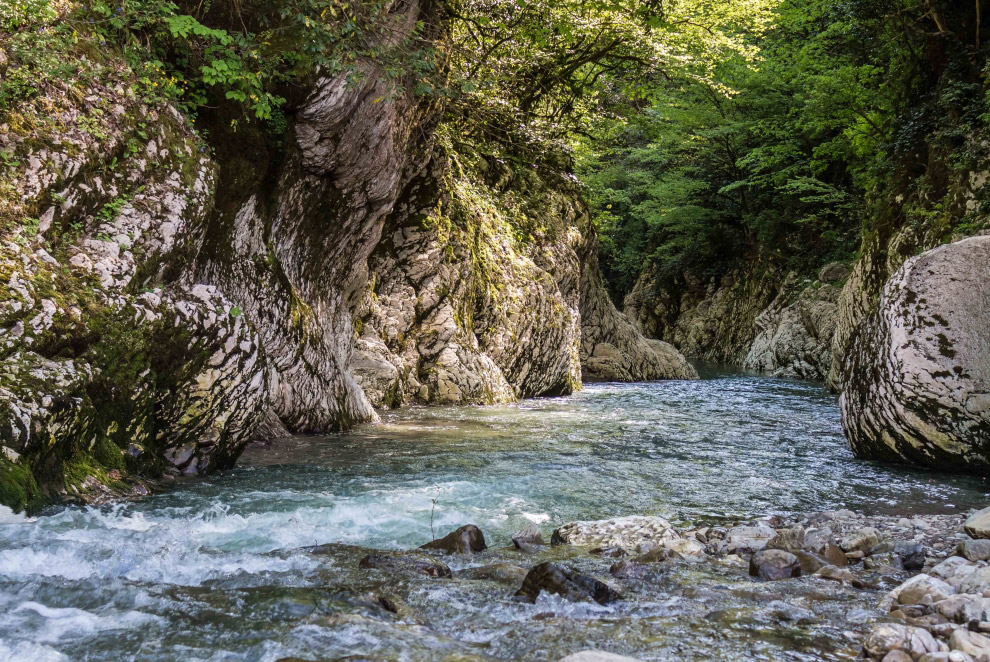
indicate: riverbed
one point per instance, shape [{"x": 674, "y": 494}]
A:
[{"x": 217, "y": 569}]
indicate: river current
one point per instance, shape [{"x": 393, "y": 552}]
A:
[{"x": 217, "y": 569}]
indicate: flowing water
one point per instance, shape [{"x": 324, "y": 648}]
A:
[{"x": 217, "y": 569}]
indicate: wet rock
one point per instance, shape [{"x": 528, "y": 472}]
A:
[
  {"x": 596, "y": 656},
  {"x": 529, "y": 535},
  {"x": 746, "y": 539},
  {"x": 923, "y": 589},
  {"x": 465, "y": 540},
  {"x": 406, "y": 564},
  {"x": 887, "y": 637},
  {"x": 784, "y": 611},
  {"x": 978, "y": 524},
  {"x": 630, "y": 533},
  {"x": 560, "y": 580},
  {"x": 774, "y": 564},
  {"x": 789, "y": 540},
  {"x": 628, "y": 569},
  {"x": 974, "y": 550},
  {"x": 914, "y": 387},
  {"x": 862, "y": 540},
  {"x": 609, "y": 552},
  {"x": 970, "y": 643},
  {"x": 502, "y": 573}
]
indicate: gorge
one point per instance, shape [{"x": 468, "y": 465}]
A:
[{"x": 294, "y": 286}]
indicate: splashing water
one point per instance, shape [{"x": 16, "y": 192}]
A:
[{"x": 215, "y": 570}]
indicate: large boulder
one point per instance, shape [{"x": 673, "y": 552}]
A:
[{"x": 917, "y": 375}]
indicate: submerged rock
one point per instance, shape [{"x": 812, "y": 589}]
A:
[
  {"x": 466, "y": 540},
  {"x": 406, "y": 564},
  {"x": 916, "y": 372},
  {"x": 774, "y": 564},
  {"x": 560, "y": 580}
]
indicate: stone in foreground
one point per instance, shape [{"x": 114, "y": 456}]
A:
[
  {"x": 916, "y": 375},
  {"x": 978, "y": 524},
  {"x": 888, "y": 637},
  {"x": 568, "y": 583}
]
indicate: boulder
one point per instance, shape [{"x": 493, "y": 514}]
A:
[
  {"x": 789, "y": 540},
  {"x": 978, "y": 524},
  {"x": 466, "y": 540},
  {"x": 970, "y": 643},
  {"x": 862, "y": 540},
  {"x": 911, "y": 554},
  {"x": 810, "y": 564},
  {"x": 774, "y": 564},
  {"x": 636, "y": 533},
  {"x": 964, "y": 607},
  {"x": 560, "y": 580},
  {"x": 887, "y": 637},
  {"x": 976, "y": 581},
  {"x": 530, "y": 535},
  {"x": 945, "y": 656},
  {"x": 974, "y": 550},
  {"x": 915, "y": 378},
  {"x": 405, "y": 564},
  {"x": 923, "y": 589}
]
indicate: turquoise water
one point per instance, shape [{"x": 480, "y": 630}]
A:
[{"x": 213, "y": 570}]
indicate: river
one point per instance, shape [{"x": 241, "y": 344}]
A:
[{"x": 215, "y": 569}]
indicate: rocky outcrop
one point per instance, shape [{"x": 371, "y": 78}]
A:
[
  {"x": 713, "y": 321},
  {"x": 794, "y": 334},
  {"x": 168, "y": 299},
  {"x": 917, "y": 384},
  {"x": 771, "y": 322},
  {"x": 480, "y": 293}
]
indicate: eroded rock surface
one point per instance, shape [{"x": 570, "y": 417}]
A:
[{"x": 917, "y": 383}]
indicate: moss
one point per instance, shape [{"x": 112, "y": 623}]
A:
[
  {"x": 108, "y": 454},
  {"x": 18, "y": 488}
]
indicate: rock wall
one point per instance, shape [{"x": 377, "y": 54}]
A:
[
  {"x": 917, "y": 375},
  {"x": 167, "y": 299},
  {"x": 485, "y": 289},
  {"x": 761, "y": 319}
]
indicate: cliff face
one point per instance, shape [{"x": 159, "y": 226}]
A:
[{"x": 167, "y": 299}]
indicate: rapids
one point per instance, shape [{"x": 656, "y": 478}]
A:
[{"x": 215, "y": 569}]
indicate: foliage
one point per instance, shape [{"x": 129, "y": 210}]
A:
[{"x": 771, "y": 148}]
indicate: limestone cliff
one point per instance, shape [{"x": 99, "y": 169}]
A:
[{"x": 168, "y": 298}]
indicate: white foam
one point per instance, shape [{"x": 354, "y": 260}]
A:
[
  {"x": 22, "y": 651},
  {"x": 61, "y": 622}
]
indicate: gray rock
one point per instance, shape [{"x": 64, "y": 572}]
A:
[
  {"x": 887, "y": 637},
  {"x": 502, "y": 573},
  {"x": 910, "y": 553},
  {"x": 784, "y": 611},
  {"x": 970, "y": 643},
  {"x": 964, "y": 608},
  {"x": 974, "y": 550},
  {"x": 978, "y": 524},
  {"x": 915, "y": 374},
  {"x": 528, "y": 535},
  {"x": 630, "y": 533},
  {"x": 923, "y": 589},
  {"x": 774, "y": 564}
]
